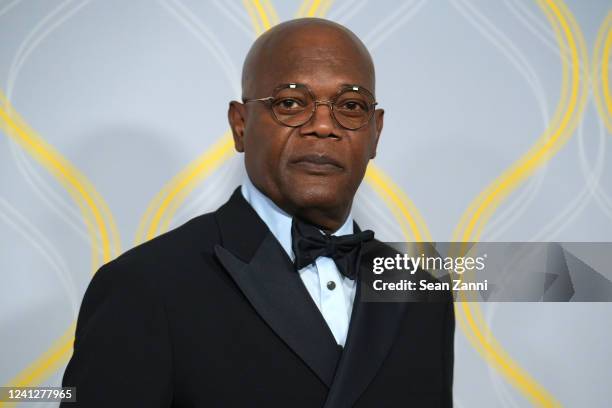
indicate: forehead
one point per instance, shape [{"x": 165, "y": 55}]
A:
[
  {"x": 321, "y": 78},
  {"x": 324, "y": 64}
]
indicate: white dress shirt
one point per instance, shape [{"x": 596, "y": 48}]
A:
[{"x": 334, "y": 300}]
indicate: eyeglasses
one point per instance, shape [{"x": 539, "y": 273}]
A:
[{"x": 294, "y": 104}]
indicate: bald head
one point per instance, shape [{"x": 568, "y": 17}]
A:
[{"x": 300, "y": 45}]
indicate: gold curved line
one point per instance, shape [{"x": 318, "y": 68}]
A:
[
  {"x": 601, "y": 78},
  {"x": 533, "y": 159},
  {"x": 53, "y": 358},
  {"x": 313, "y": 8},
  {"x": 582, "y": 46},
  {"x": 302, "y": 9},
  {"x": 605, "y": 72},
  {"x": 253, "y": 15},
  {"x": 518, "y": 377},
  {"x": 272, "y": 12},
  {"x": 396, "y": 198},
  {"x": 66, "y": 173},
  {"x": 159, "y": 213},
  {"x": 95, "y": 214},
  {"x": 186, "y": 182},
  {"x": 89, "y": 223},
  {"x": 145, "y": 220},
  {"x": 541, "y": 141},
  {"x": 467, "y": 313},
  {"x": 325, "y": 8},
  {"x": 262, "y": 15},
  {"x": 490, "y": 349},
  {"x": 496, "y": 347}
]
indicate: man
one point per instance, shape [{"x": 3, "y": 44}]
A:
[{"x": 255, "y": 304}]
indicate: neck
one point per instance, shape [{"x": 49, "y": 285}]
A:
[{"x": 329, "y": 220}]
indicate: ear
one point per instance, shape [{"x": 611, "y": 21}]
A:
[
  {"x": 236, "y": 115},
  {"x": 379, "y": 115}
]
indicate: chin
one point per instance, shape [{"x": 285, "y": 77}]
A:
[{"x": 322, "y": 195}]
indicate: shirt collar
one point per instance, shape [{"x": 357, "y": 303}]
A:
[{"x": 277, "y": 220}]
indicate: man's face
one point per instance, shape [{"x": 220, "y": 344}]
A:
[{"x": 319, "y": 164}]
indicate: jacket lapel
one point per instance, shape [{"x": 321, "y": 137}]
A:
[
  {"x": 264, "y": 273},
  {"x": 372, "y": 331}
]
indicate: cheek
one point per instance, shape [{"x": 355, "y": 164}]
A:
[
  {"x": 258, "y": 141},
  {"x": 264, "y": 146},
  {"x": 362, "y": 151}
]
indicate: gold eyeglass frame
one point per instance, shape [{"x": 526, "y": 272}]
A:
[{"x": 330, "y": 103}]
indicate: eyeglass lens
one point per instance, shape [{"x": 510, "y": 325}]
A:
[{"x": 294, "y": 106}]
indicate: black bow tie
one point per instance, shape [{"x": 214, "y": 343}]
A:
[{"x": 308, "y": 243}]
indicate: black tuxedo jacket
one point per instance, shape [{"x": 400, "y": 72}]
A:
[{"x": 213, "y": 314}]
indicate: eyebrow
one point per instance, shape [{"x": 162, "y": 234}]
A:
[
  {"x": 342, "y": 86},
  {"x": 358, "y": 86}
]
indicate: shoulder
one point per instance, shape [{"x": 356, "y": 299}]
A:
[
  {"x": 196, "y": 235},
  {"x": 152, "y": 263}
]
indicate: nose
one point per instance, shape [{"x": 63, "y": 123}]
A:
[{"x": 321, "y": 123}]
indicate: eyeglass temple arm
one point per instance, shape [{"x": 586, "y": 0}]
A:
[{"x": 267, "y": 98}]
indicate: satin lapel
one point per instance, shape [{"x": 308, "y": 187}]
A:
[
  {"x": 372, "y": 331},
  {"x": 278, "y": 295}
]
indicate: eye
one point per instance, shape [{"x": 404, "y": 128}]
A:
[
  {"x": 353, "y": 106},
  {"x": 288, "y": 104}
]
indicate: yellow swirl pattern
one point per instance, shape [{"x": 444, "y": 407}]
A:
[
  {"x": 163, "y": 207},
  {"x": 259, "y": 15},
  {"x": 98, "y": 219},
  {"x": 411, "y": 222},
  {"x": 601, "y": 72},
  {"x": 553, "y": 138},
  {"x": 568, "y": 114},
  {"x": 313, "y": 8}
]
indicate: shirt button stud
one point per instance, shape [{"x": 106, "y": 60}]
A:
[{"x": 331, "y": 285}]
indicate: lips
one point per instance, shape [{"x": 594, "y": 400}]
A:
[{"x": 317, "y": 163}]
